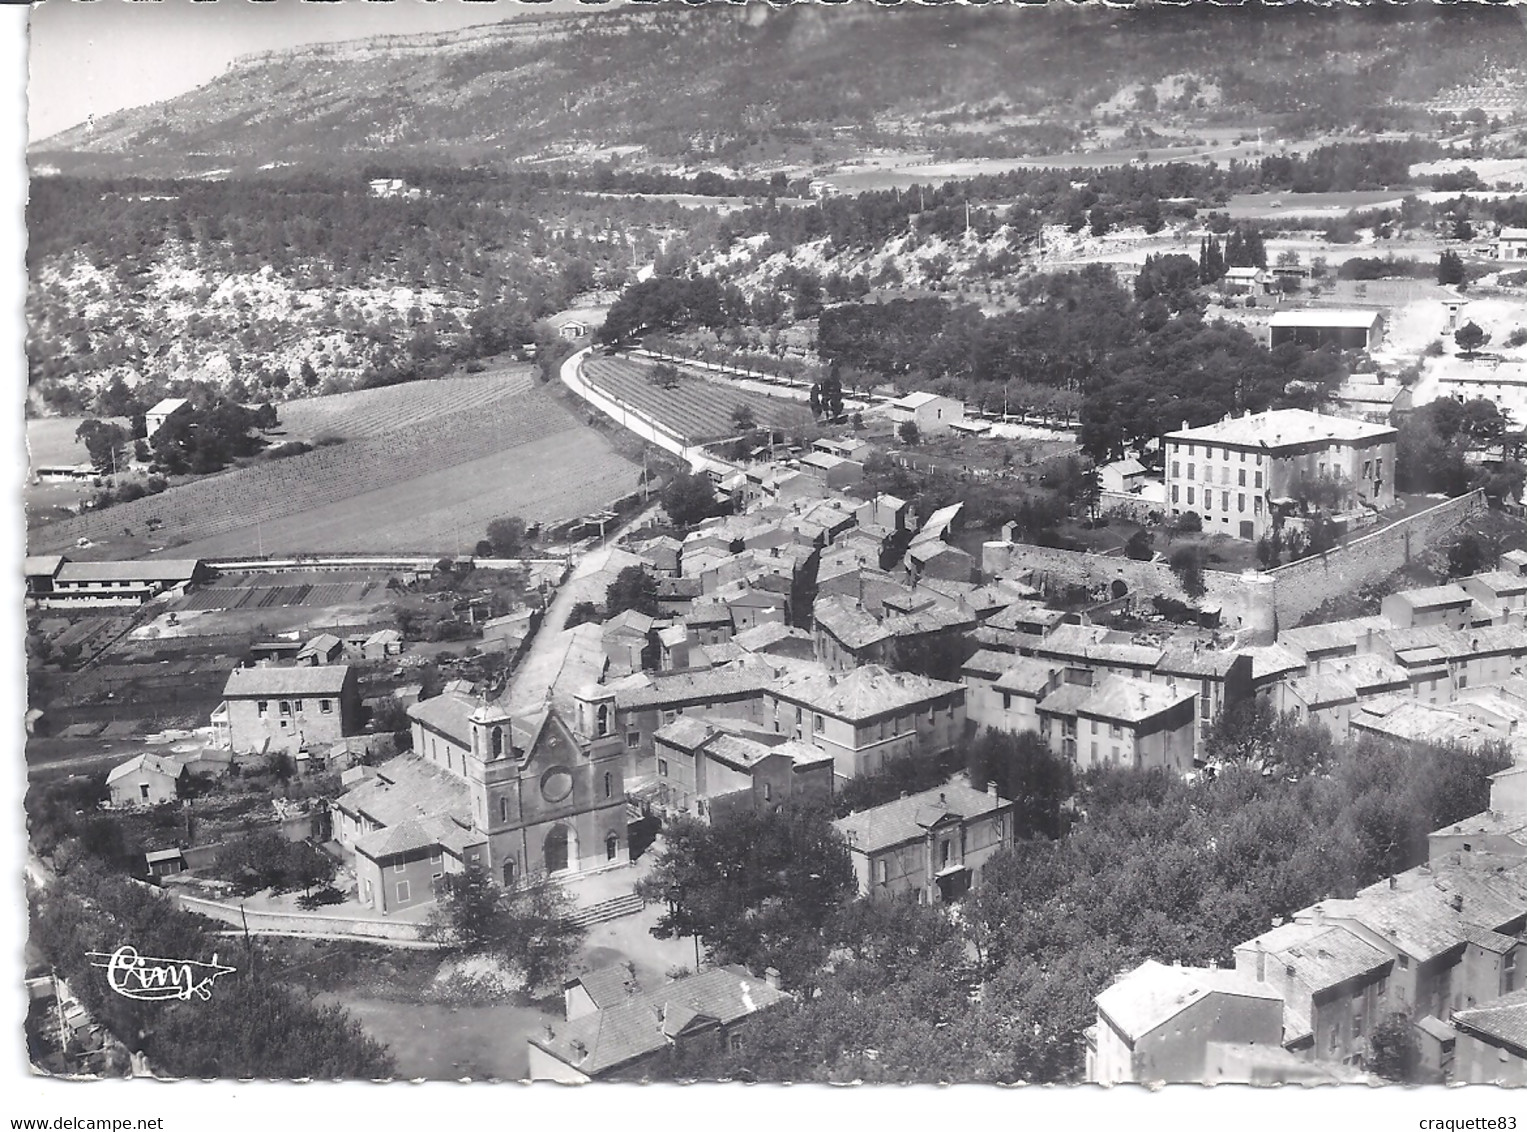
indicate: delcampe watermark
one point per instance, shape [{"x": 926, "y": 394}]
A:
[{"x": 146, "y": 978}]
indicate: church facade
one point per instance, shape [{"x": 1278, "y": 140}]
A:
[{"x": 522, "y": 795}]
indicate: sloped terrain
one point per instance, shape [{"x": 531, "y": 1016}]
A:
[{"x": 743, "y": 83}]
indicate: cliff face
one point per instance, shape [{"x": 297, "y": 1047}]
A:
[{"x": 742, "y": 84}]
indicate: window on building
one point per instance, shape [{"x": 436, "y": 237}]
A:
[
  {"x": 1357, "y": 1025},
  {"x": 662, "y": 768},
  {"x": 1174, "y": 493},
  {"x": 1190, "y": 450},
  {"x": 503, "y": 809},
  {"x": 143, "y": 790},
  {"x": 262, "y": 707},
  {"x": 286, "y": 707},
  {"x": 768, "y": 792},
  {"x": 633, "y": 738},
  {"x": 880, "y": 872},
  {"x": 1258, "y": 480},
  {"x": 1113, "y": 731},
  {"x": 1007, "y": 701},
  {"x": 1243, "y": 460},
  {"x": 1240, "y": 501},
  {"x": 1256, "y": 504},
  {"x": 1224, "y": 501},
  {"x": 1190, "y": 496},
  {"x": 297, "y": 706},
  {"x": 1192, "y": 470},
  {"x": 1367, "y": 469},
  {"x": 1094, "y": 751},
  {"x": 670, "y": 716},
  {"x": 403, "y": 892},
  {"x": 944, "y": 854},
  {"x": 611, "y": 847},
  {"x": 818, "y": 724},
  {"x": 1241, "y": 478},
  {"x": 326, "y": 707},
  {"x": 1331, "y": 1039},
  {"x": 1378, "y": 469},
  {"x": 399, "y": 865},
  {"x": 1176, "y": 468}
]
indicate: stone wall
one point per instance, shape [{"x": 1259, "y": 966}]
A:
[
  {"x": 260, "y": 922},
  {"x": 1302, "y": 586},
  {"x": 1247, "y": 601}
]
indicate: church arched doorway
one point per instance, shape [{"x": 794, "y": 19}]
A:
[{"x": 557, "y": 850}]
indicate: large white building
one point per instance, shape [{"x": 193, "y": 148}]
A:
[{"x": 1235, "y": 473}]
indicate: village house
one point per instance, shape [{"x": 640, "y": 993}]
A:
[
  {"x": 1019, "y": 627},
  {"x": 1004, "y": 690},
  {"x": 1098, "y": 649},
  {"x": 382, "y": 644},
  {"x": 931, "y": 845},
  {"x": 930, "y": 412},
  {"x": 1222, "y": 679},
  {"x": 325, "y": 648},
  {"x": 1119, "y": 721},
  {"x": 834, "y": 472},
  {"x": 1248, "y": 281},
  {"x": 269, "y": 709},
  {"x": 844, "y": 447},
  {"x": 1503, "y": 591},
  {"x": 622, "y": 1041},
  {"x": 1492, "y": 1038},
  {"x": 705, "y": 769},
  {"x": 1511, "y": 245},
  {"x": 644, "y": 702},
  {"x": 1319, "y": 644},
  {"x": 1334, "y": 986},
  {"x": 154, "y": 418},
  {"x": 1373, "y": 397},
  {"x": 146, "y": 780},
  {"x": 1237, "y": 473},
  {"x": 1447, "y": 605},
  {"x": 868, "y": 716},
  {"x": 849, "y": 635},
  {"x": 1330, "y": 696},
  {"x": 628, "y": 640},
  {"x": 1154, "y": 1024}
]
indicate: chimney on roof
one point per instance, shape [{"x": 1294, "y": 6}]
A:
[
  {"x": 1319, "y": 915},
  {"x": 1261, "y": 963},
  {"x": 1184, "y": 425},
  {"x": 1393, "y": 883},
  {"x": 991, "y": 788},
  {"x": 1457, "y": 902},
  {"x": 941, "y": 797},
  {"x": 771, "y": 976},
  {"x": 580, "y": 1051}
]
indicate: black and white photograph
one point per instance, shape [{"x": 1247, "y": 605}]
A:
[{"x": 856, "y": 544}]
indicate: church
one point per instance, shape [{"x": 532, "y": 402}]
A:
[{"x": 522, "y": 795}]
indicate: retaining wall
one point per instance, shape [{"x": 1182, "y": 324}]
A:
[
  {"x": 1302, "y": 586},
  {"x": 1250, "y": 600},
  {"x": 262, "y": 922}
]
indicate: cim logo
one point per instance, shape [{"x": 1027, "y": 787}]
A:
[{"x": 145, "y": 978}]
